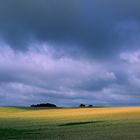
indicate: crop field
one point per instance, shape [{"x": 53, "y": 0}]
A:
[{"x": 110, "y": 123}]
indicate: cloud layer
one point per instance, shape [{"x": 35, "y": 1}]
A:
[
  {"x": 39, "y": 75},
  {"x": 69, "y": 52}
]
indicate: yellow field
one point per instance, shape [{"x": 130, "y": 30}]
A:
[
  {"x": 110, "y": 123},
  {"x": 78, "y": 113}
]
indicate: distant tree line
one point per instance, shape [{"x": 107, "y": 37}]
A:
[
  {"x": 53, "y": 105},
  {"x": 83, "y": 105},
  {"x": 44, "y": 105}
]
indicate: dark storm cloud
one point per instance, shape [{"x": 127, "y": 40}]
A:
[
  {"x": 50, "y": 50},
  {"x": 91, "y": 25}
]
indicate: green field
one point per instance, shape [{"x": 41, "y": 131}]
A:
[{"x": 114, "y": 123}]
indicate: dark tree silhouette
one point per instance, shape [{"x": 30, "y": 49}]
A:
[
  {"x": 90, "y": 105},
  {"x": 44, "y": 105},
  {"x": 82, "y": 105}
]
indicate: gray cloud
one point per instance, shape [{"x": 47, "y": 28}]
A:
[
  {"x": 38, "y": 70},
  {"x": 91, "y": 25},
  {"x": 69, "y": 52},
  {"x": 37, "y": 75}
]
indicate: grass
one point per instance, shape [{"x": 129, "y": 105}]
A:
[{"x": 112, "y": 123}]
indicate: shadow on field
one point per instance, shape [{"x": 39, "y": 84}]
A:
[
  {"x": 80, "y": 123},
  {"x": 11, "y": 133}
]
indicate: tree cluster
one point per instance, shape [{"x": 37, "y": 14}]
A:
[
  {"x": 83, "y": 105},
  {"x": 44, "y": 105}
]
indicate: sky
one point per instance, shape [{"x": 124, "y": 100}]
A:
[{"x": 69, "y": 52}]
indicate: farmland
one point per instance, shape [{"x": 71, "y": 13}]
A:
[{"x": 110, "y": 123}]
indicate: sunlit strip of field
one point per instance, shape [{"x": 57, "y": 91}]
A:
[
  {"x": 111, "y": 112},
  {"x": 58, "y": 116}
]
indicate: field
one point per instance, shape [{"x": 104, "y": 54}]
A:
[{"x": 112, "y": 123}]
